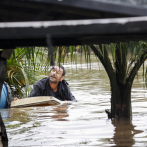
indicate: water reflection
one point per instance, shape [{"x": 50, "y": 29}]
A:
[
  {"x": 124, "y": 132},
  {"x": 60, "y": 113},
  {"x": 57, "y": 113},
  {"x": 82, "y": 123},
  {"x": 6, "y": 113}
]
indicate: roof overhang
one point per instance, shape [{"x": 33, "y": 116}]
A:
[
  {"x": 45, "y": 10},
  {"x": 116, "y": 7},
  {"x": 73, "y": 32}
]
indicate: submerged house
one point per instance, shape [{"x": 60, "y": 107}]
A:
[{"x": 68, "y": 22}]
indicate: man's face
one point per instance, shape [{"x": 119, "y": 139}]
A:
[{"x": 56, "y": 75}]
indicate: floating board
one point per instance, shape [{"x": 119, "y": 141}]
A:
[{"x": 36, "y": 101}]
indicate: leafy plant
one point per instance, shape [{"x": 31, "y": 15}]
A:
[{"x": 22, "y": 69}]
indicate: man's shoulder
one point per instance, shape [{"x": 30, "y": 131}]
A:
[
  {"x": 64, "y": 85},
  {"x": 42, "y": 81}
]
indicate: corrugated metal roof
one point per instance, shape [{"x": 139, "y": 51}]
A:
[{"x": 42, "y": 10}]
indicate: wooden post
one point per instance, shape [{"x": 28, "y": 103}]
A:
[
  {"x": 50, "y": 49},
  {"x": 3, "y": 56},
  {"x": 3, "y": 133}
]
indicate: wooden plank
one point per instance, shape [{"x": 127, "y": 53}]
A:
[{"x": 36, "y": 101}]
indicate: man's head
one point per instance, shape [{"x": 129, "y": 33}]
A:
[{"x": 57, "y": 74}]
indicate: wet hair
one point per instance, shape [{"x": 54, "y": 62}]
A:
[
  {"x": 61, "y": 66},
  {"x": 64, "y": 72}
]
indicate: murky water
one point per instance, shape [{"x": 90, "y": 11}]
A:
[{"x": 84, "y": 122}]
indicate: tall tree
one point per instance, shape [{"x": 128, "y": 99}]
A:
[{"x": 126, "y": 59}]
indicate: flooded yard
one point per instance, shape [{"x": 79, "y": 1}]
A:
[{"x": 84, "y": 122}]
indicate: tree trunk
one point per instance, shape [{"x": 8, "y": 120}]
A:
[
  {"x": 120, "y": 80},
  {"x": 121, "y": 103}
]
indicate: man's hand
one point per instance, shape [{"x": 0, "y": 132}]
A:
[
  {"x": 67, "y": 102},
  {"x": 15, "y": 99}
]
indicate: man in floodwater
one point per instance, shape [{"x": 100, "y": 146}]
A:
[{"x": 54, "y": 85}]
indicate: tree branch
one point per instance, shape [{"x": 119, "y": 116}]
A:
[
  {"x": 115, "y": 97},
  {"x": 105, "y": 61},
  {"x": 136, "y": 68},
  {"x": 99, "y": 55}
]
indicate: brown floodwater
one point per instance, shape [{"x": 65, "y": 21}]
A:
[{"x": 84, "y": 122}]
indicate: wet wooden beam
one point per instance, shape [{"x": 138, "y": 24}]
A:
[{"x": 73, "y": 32}]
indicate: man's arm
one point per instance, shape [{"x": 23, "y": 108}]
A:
[
  {"x": 70, "y": 95},
  {"x": 35, "y": 91}
]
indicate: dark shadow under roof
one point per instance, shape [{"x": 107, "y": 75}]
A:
[
  {"x": 73, "y": 32},
  {"x": 42, "y": 10}
]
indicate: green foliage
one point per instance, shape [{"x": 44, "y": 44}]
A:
[
  {"x": 26, "y": 64},
  {"x": 23, "y": 68},
  {"x": 124, "y": 57},
  {"x": 65, "y": 52}
]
